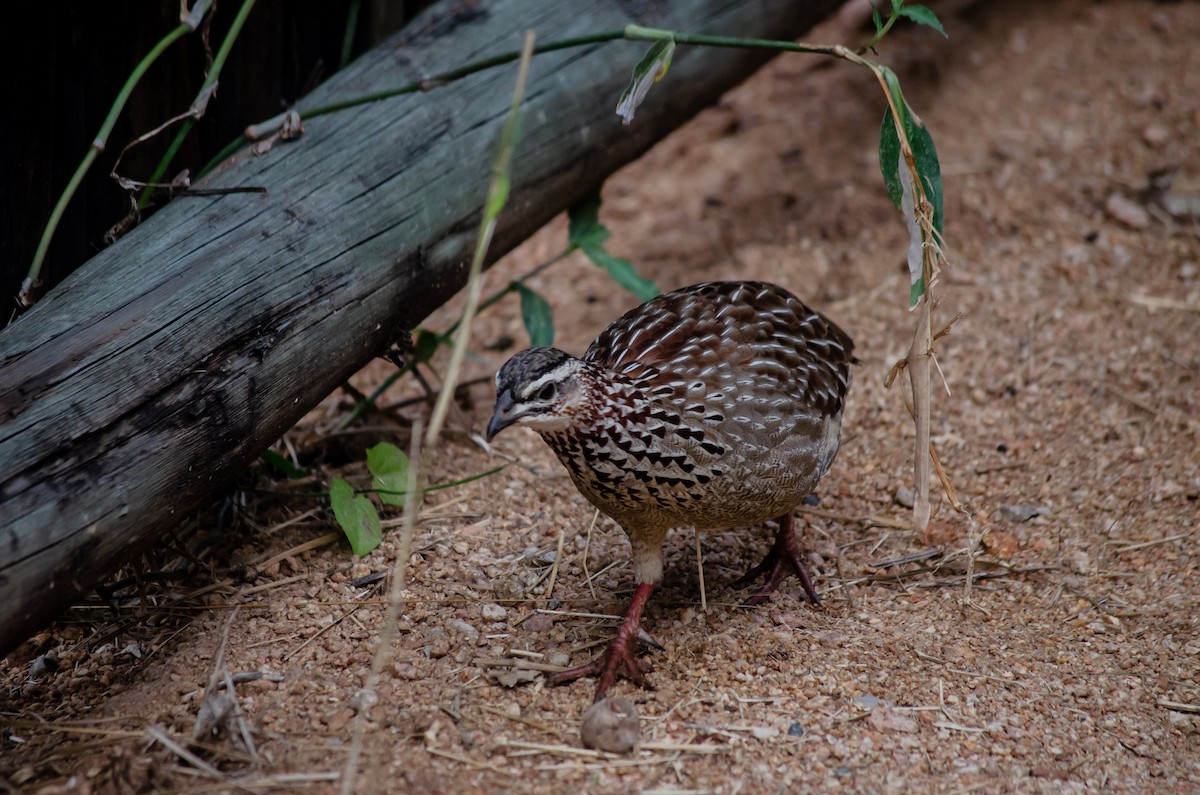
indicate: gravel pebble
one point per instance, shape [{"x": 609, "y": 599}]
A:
[
  {"x": 462, "y": 627},
  {"x": 1127, "y": 211},
  {"x": 493, "y": 612},
  {"x": 1020, "y": 513}
]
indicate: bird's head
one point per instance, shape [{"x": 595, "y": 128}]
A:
[{"x": 541, "y": 388}]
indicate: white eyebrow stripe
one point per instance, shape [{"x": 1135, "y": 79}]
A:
[{"x": 554, "y": 376}]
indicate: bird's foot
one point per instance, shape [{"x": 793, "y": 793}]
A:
[
  {"x": 784, "y": 558},
  {"x": 619, "y": 661}
]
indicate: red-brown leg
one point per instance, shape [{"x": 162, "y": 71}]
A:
[
  {"x": 784, "y": 558},
  {"x": 619, "y": 660}
]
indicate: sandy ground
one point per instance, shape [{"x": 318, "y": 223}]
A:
[{"x": 1068, "y": 134}]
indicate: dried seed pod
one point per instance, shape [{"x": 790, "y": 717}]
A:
[{"x": 611, "y": 724}]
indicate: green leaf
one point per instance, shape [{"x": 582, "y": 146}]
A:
[
  {"x": 877, "y": 20},
  {"x": 425, "y": 345},
  {"x": 924, "y": 152},
  {"x": 388, "y": 466},
  {"x": 500, "y": 185},
  {"x": 282, "y": 464},
  {"x": 889, "y": 137},
  {"x": 922, "y": 16},
  {"x": 889, "y": 156},
  {"x": 497, "y": 195},
  {"x": 649, "y": 70},
  {"x": 900, "y": 183},
  {"x": 623, "y": 273},
  {"x": 587, "y": 234},
  {"x": 538, "y": 317},
  {"x": 356, "y": 516},
  {"x": 584, "y": 226}
]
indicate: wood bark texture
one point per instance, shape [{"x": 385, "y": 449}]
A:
[{"x": 146, "y": 381}]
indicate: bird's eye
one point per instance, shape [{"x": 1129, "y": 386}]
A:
[{"x": 546, "y": 393}]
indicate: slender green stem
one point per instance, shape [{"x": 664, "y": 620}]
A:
[
  {"x": 223, "y": 155},
  {"x": 493, "y": 299},
  {"x": 213, "y": 74},
  {"x": 98, "y": 144},
  {"x": 512, "y": 286},
  {"x": 879, "y": 34},
  {"x": 369, "y": 401},
  {"x": 630, "y": 33},
  {"x": 639, "y": 33},
  {"x": 452, "y": 75},
  {"x": 497, "y": 197},
  {"x": 348, "y": 34},
  {"x": 425, "y": 84},
  {"x": 322, "y": 495},
  {"x": 449, "y": 485}
]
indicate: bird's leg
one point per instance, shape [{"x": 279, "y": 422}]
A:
[
  {"x": 783, "y": 559},
  {"x": 619, "y": 660}
]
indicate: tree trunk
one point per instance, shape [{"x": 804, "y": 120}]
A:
[{"x": 148, "y": 379}]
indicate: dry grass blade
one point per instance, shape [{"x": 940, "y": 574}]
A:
[
  {"x": 577, "y": 614},
  {"x": 159, "y": 735},
  {"x": 1155, "y": 302},
  {"x": 466, "y": 760},
  {"x": 556, "y": 750},
  {"x": 554, "y": 568},
  {"x": 587, "y": 545},
  {"x": 419, "y": 468},
  {"x": 528, "y": 665},
  {"x": 1129, "y": 546},
  {"x": 916, "y": 557}
]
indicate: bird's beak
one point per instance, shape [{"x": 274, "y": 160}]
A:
[{"x": 503, "y": 415}]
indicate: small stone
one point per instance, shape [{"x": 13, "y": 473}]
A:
[
  {"x": 1020, "y": 513},
  {"x": 886, "y": 719},
  {"x": 404, "y": 670},
  {"x": 795, "y": 730},
  {"x": 509, "y": 589},
  {"x": 790, "y": 620},
  {"x": 1127, "y": 211},
  {"x": 612, "y": 725},
  {"x": 539, "y": 623},
  {"x": 437, "y": 643},
  {"x": 1181, "y": 722},
  {"x": 338, "y": 721},
  {"x": 1156, "y": 135},
  {"x": 43, "y": 665},
  {"x": 515, "y": 676},
  {"x": 493, "y": 612},
  {"x": 462, "y": 627},
  {"x": 905, "y": 497},
  {"x": 1001, "y": 544},
  {"x": 867, "y": 702},
  {"x": 363, "y": 700}
]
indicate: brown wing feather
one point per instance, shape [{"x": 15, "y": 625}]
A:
[{"x": 757, "y": 330}]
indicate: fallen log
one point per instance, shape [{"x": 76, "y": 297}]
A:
[{"x": 146, "y": 381}]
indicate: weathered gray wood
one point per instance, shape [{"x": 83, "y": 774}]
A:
[{"x": 142, "y": 384}]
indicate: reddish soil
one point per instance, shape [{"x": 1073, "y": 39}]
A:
[{"x": 1069, "y": 136}]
